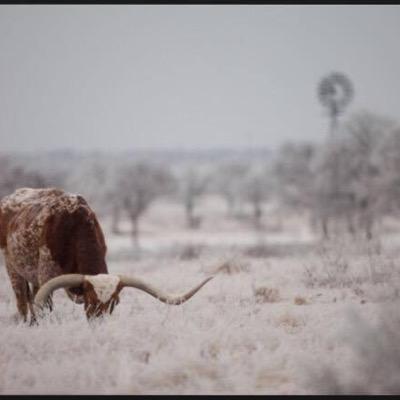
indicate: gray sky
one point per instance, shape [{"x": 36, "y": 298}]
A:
[{"x": 163, "y": 76}]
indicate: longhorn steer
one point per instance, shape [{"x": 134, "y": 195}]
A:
[{"x": 52, "y": 239}]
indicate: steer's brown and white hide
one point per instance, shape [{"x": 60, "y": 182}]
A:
[{"x": 45, "y": 233}]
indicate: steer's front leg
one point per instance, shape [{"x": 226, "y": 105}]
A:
[
  {"x": 47, "y": 269},
  {"x": 20, "y": 287}
]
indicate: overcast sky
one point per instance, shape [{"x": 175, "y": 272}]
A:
[{"x": 164, "y": 76}]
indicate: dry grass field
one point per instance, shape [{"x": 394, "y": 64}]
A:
[{"x": 285, "y": 314}]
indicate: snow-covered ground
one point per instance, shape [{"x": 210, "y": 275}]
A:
[{"x": 283, "y": 310}]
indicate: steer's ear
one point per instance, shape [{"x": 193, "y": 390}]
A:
[
  {"x": 89, "y": 294},
  {"x": 119, "y": 288},
  {"x": 115, "y": 297}
]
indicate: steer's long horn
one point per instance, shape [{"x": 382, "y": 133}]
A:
[
  {"x": 128, "y": 281},
  {"x": 63, "y": 281}
]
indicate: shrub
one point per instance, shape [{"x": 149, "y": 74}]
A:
[
  {"x": 374, "y": 366},
  {"x": 233, "y": 267},
  {"x": 266, "y": 295}
]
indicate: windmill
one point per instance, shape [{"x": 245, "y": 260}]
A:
[{"x": 335, "y": 92}]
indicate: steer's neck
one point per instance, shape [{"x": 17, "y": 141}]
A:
[{"x": 90, "y": 250}]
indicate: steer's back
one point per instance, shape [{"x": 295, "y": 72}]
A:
[
  {"x": 25, "y": 216},
  {"x": 30, "y": 208}
]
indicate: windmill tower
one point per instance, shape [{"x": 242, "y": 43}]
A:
[{"x": 335, "y": 92}]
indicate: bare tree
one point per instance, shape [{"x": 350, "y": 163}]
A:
[
  {"x": 255, "y": 191},
  {"x": 137, "y": 187},
  {"x": 228, "y": 181},
  {"x": 390, "y": 173},
  {"x": 193, "y": 185},
  {"x": 294, "y": 173},
  {"x": 14, "y": 175},
  {"x": 349, "y": 176},
  {"x": 367, "y": 134}
]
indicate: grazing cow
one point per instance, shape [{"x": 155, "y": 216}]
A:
[{"x": 52, "y": 239}]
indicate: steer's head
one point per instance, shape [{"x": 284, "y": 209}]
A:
[{"x": 100, "y": 293}]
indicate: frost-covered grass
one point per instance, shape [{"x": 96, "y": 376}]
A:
[{"x": 259, "y": 327}]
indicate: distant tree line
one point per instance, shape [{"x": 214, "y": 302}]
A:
[{"x": 348, "y": 182}]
